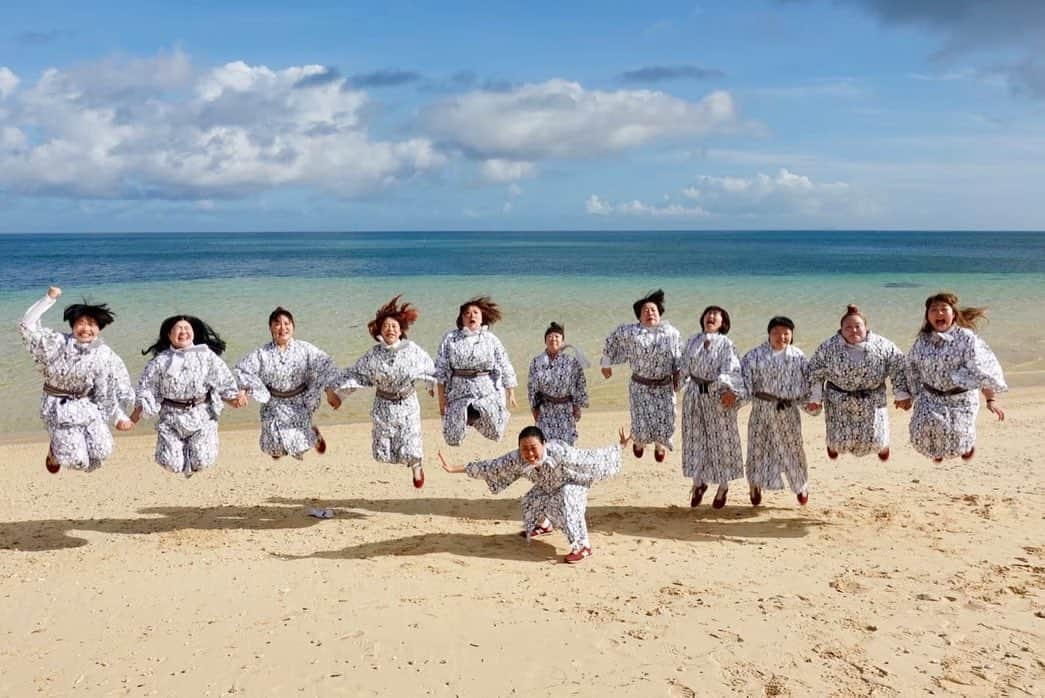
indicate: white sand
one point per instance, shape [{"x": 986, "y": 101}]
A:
[{"x": 900, "y": 578}]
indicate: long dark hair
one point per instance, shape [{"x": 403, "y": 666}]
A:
[
  {"x": 721, "y": 311},
  {"x": 969, "y": 318},
  {"x": 201, "y": 331},
  {"x": 404, "y": 314},
  {"x": 491, "y": 312}
]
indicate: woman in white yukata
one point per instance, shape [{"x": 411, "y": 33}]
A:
[
  {"x": 710, "y": 436},
  {"x": 85, "y": 383},
  {"x": 184, "y": 385},
  {"x": 393, "y": 367},
  {"x": 776, "y": 380},
  {"x": 557, "y": 388},
  {"x": 947, "y": 368},
  {"x": 561, "y": 476},
  {"x": 653, "y": 348},
  {"x": 473, "y": 369},
  {"x": 848, "y": 374},
  {"x": 288, "y": 377}
]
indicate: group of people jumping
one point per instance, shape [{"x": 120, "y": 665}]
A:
[{"x": 185, "y": 385}]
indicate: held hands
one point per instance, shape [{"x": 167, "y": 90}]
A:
[
  {"x": 536, "y": 412},
  {"x": 450, "y": 468},
  {"x": 729, "y": 399},
  {"x": 577, "y": 412},
  {"x": 904, "y": 404},
  {"x": 239, "y": 401},
  {"x": 813, "y": 406},
  {"x": 607, "y": 371},
  {"x": 512, "y": 404},
  {"x": 625, "y": 437},
  {"x": 53, "y": 292},
  {"x": 124, "y": 425}
]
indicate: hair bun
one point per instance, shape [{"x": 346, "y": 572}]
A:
[{"x": 852, "y": 309}]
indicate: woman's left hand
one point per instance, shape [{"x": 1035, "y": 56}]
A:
[
  {"x": 995, "y": 410},
  {"x": 625, "y": 437},
  {"x": 577, "y": 412},
  {"x": 512, "y": 404}
]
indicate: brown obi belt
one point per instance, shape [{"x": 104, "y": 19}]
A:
[
  {"x": 944, "y": 393},
  {"x": 68, "y": 395},
  {"x": 861, "y": 394},
  {"x": 394, "y": 397},
  {"x": 781, "y": 403},
  {"x": 651, "y": 382},
  {"x": 702, "y": 385},
  {"x": 469, "y": 373},
  {"x": 187, "y": 404},
  {"x": 553, "y": 400},
  {"x": 293, "y": 392}
]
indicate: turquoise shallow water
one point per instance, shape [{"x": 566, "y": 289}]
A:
[{"x": 332, "y": 313}]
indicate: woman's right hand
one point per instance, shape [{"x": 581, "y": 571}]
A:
[
  {"x": 53, "y": 292},
  {"x": 607, "y": 371}
]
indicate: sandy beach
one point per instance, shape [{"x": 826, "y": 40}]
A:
[{"x": 901, "y": 578}]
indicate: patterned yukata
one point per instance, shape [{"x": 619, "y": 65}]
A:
[
  {"x": 396, "y": 413},
  {"x": 186, "y": 435},
  {"x": 956, "y": 362},
  {"x": 710, "y": 436},
  {"x": 482, "y": 357},
  {"x": 654, "y": 354},
  {"x": 774, "y": 430},
  {"x": 560, "y": 484},
  {"x": 554, "y": 388},
  {"x": 849, "y": 380},
  {"x": 91, "y": 385},
  {"x": 300, "y": 372}
]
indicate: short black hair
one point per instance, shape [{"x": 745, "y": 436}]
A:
[
  {"x": 100, "y": 313},
  {"x": 725, "y": 318},
  {"x": 781, "y": 321},
  {"x": 654, "y": 297},
  {"x": 555, "y": 327},
  {"x": 531, "y": 432}
]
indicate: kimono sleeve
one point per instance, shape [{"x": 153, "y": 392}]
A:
[
  {"x": 443, "y": 369},
  {"x": 114, "y": 387},
  {"x": 423, "y": 368},
  {"x": 618, "y": 346},
  {"x": 805, "y": 385},
  {"x": 148, "y": 390},
  {"x": 912, "y": 370},
  {"x": 531, "y": 384},
  {"x": 896, "y": 369},
  {"x": 579, "y": 390},
  {"x": 322, "y": 372},
  {"x": 729, "y": 376},
  {"x": 247, "y": 375},
  {"x": 220, "y": 378},
  {"x": 505, "y": 370},
  {"x": 41, "y": 342},
  {"x": 981, "y": 369},
  {"x": 818, "y": 370},
  {"x": 587, "y": 465},
  {"x": 498, "y": 473}
]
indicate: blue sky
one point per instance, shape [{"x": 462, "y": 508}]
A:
[{"x": 775, "y": 114}]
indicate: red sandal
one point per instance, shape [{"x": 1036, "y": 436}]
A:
[
  {"x": 578, "y": 555},
  {"x": 538, "y": 531}
]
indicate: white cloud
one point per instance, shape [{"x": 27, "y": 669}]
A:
[
  {"x": 598, "y": 207},
  {"x": 558, "y": 119},
  {"x": 160, "y": 130},
  {"x": 500, "y": 170},
  {"x": 785, "y": 194},
  {"x": 8, "y": 81}
]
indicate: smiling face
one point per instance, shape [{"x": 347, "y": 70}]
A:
[
  {"x": 472, "y": 317},
  {"x": 779, "y": 337},
  {"x": 531, "y": 449},
  {"x": 940, "y": 315},
  {"x": 391, "y": 332},
  {"x": 181, "y": 335},
  {"x": 854, "y": 329},
  {"x": 649, "y": 315},
  {"x": 85, "y": 329},
  {"x": 553, "y": 343},
  {"x": 282, "y": 329},
  {"x": 712, "y": 321}
]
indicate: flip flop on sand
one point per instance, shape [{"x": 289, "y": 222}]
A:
[{"x": 320, "y": 513}]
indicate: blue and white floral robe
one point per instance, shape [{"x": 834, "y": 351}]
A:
[
  {"x": 944, "y": 426},
  {"x": 286, "y": 422},
  {"x": 186, "y": 437},
  {"x": 711, "y": 450},
  {"x": 395, "y": 371},
  {"x": 653, "y": 353},
  {"x": 80, "y": 437},
  {"x": 561, "y": 377},
  {"x": 560, "y": 484},
  {"x": 849, "y": 380},
  {"x": 481, "y": 351},
  {"x": 774, "y": 431}
]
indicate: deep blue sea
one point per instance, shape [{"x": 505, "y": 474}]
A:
[{"x": 333, "y": 282}]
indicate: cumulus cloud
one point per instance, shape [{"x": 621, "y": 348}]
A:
[
  {"x": 157, "y": 128},
  {"x": 1000, "y": 27},
  {"x": 383, "y": 78},
  {"x": 663, "y": 73},
  {"x": 498, "y": 170},
  {"x": 559, "y": 119},
  {"x": 784, "y": 194},
  {"x": 8, "y": 81}
]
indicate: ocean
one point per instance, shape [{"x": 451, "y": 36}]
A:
[{"x": 333, "y": 283}]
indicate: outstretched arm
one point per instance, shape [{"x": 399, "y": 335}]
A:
[{"x": 450, "y": 468}]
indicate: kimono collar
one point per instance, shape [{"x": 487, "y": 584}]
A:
[
  {"x": 178, "y": 357},
  {"x": 290, "y": 343},
  {"x": 470, "y": 333},
  {"x": 399, "y": 344},
  {"x": 859, "y": 346},
  {"x": 84, "y": 347},
  {"x": 947, "y": 336},
  {"x": 577, "y": 351},
  {"x": 663, "y": 326},
  {"x": 547, "y": 461}
]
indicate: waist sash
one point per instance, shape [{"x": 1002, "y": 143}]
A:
[
  {"x": 394, "y": 397},
  {"x": 651, "y": 382},
  {"x": 186, "y": 404},
  {"x": 945, "y": 393},
  {"x": 469, "y": 373},
  {"x": 293, "y": 392},
  {"x": 860, "y": 394},
  {"x": 781, "y": 403},
  {"x": 702, "y": 385},
  {"x": 58, "y": 392},
  {"x": 551, "y": 399}
]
